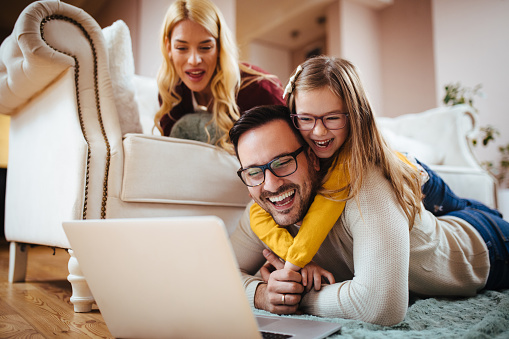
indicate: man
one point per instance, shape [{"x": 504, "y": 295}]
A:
[
  {"x": 440, "y": 256},
  {"x": 263, "y": 139}
]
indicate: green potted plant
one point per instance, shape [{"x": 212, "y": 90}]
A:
[{"x": 456, "y": 94}]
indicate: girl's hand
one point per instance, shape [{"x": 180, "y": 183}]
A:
[{"x": 314, "y": 275}]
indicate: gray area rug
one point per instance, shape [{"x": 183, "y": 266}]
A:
[{"x": 483, "y": 316}]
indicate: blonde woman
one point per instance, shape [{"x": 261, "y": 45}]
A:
[{"x": 201, "y": 72}]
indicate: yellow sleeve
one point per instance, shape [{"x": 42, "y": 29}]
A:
[
  {"x": 319, "y": 220},
  {"x": 277, "y": 238},
  {"x": 317, "y": 223},
  {"x": 321, "y": 217}
]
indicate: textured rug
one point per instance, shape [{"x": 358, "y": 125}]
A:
[{"x": 483, "y": 316}]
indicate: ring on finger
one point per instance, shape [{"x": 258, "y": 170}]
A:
[{"x": 283, "y": 298}]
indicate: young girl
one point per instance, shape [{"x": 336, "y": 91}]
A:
[
  {"x": 331, "y": 141},
  {"x": 201, "y": 73}
]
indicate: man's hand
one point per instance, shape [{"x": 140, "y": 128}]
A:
[
  {"x": 273, "y": 263},
  {"x": 312, "y": 274},
  {"x": 281, "y": 294}
]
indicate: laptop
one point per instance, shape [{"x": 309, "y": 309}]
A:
[{"x": 172, "y": 278}]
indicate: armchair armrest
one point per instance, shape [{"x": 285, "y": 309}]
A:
[
  {"x": 65, "y": 135},
  {"x": 446, "y": 131},
  {"x": 442, "y": 138}
]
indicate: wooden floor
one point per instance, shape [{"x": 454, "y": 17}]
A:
[{"x": 40, "y": 307}]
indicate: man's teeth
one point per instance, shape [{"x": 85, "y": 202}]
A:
[{"x": 281, "y": 197}]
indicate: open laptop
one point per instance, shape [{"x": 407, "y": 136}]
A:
[{"x": 172, "y": 278}]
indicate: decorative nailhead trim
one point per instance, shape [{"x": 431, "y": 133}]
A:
[{"x": 98, "y": 106}]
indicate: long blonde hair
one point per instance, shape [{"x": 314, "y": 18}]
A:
[
  {"x": 226, "y": 81},
  {"x": 365, "y": 145}
]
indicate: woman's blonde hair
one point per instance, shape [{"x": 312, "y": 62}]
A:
[
  {"x": 224, "y": 84},
  {"x": 365, "y": 145}
]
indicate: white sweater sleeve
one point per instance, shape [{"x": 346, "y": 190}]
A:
[{"x": 378, "y": 292}]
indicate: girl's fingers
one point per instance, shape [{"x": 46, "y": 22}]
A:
[
  {"x": 304, "y": 274},
  {"x": 318, "y": 281}
]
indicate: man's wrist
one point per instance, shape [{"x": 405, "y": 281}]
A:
[{"x": 259, "y": 297}]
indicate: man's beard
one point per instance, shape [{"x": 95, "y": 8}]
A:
[{"x": 306, "y": 194}]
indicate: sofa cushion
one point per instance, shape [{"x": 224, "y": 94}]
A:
[
  {"x": 178, "y": 171},
  {"x": 468, "y": 182},
  {"x": 422, "y": 151},
  {"x": 121, "y": 67}
]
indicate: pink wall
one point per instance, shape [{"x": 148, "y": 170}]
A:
[
  {"x": 393, "y": 49},
  {"x": 408, "y": 70},
  {"x": 278, "y": 60},
  {"x": 472, "y": 47},
  {"x": 360, "y": 44},
  {"x": 127, "y": 11}
]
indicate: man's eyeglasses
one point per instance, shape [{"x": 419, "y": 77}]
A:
[
  {"x": 306, "y": 122},
  {"x": 281, "y": 167}
]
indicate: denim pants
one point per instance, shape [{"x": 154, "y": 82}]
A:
[{"x": 441, "y": 200}]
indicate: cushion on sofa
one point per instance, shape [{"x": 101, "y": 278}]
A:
[
  {"x": 121, "y": 67},
  {"x": 418, "y": 149},
  {"x": 178, "y": 171}
]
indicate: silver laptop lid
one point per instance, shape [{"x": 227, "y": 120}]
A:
[{"x": 162, "y": 277}]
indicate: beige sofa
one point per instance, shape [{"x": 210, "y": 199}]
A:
[{"x": 81, "y": 143}]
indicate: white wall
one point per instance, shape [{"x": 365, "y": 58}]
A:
[
  {"x": 472, "y": 47},
  {"x": 272, "y": 59}
]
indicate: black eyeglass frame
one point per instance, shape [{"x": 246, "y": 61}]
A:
[
  {"x": 293, "y": 116},
  {"x": 267, "y": 166}
]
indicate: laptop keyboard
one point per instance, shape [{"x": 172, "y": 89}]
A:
[{"x": 272, "y": 335}]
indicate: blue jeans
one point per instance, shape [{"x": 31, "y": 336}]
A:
[{"x": 441, "y": 200}]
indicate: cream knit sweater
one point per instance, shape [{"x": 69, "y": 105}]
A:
[{"x": 376, "y": 261}]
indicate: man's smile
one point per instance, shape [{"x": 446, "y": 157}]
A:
[{"x": 283, "y": 200}]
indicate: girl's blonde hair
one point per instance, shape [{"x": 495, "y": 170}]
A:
[
  {"x": 365, "y": 145},
  {"x": 225, "y": 83}
]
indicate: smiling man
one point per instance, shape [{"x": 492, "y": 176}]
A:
[{"x": 281, "y": 173}]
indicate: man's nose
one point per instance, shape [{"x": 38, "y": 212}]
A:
[
  {"x": 320, "y": 128},
  {"x": 272, "y": 182}
]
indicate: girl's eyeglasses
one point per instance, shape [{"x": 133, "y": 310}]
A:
[{"x": 306, "y": 122}]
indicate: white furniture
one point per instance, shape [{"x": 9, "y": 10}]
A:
[
  {"x": 80, "y": 145},
  {"x": 442, "y": 138}
]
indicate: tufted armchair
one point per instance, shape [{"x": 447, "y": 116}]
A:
[
  {"x": 81, "y": 145},
  {"x": 73, "y": 156}
]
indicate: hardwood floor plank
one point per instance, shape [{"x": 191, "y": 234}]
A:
[
  {"x": 41, "y": 307},
  {"x": 14, "y": 326},
  {"x": 52, "y": 316}
]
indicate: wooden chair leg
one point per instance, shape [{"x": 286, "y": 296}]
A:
[
  {"x": 81, "y": 298},
  {"x": 18, "y": 255}
]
